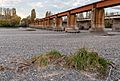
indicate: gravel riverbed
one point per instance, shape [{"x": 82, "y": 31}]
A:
[{"x": 17, "y": 45}]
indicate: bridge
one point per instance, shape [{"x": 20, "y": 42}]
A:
[{"x": 97, "y": 17}]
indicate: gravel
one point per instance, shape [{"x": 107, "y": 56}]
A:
[{"x": 17, "y": 45}]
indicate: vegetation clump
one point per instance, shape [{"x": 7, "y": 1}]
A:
[
  {"x": 47, "y": 58},
  {"x": 87, "y": 61},
  {"x": 81, "y": 60}
]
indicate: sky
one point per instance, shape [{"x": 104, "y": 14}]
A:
[{"x": 24, "y": 7}]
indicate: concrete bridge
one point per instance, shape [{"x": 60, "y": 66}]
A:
[{"x": 97, "y": 17}]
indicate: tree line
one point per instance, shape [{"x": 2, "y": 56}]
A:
[{"x": 9, "y": 18}]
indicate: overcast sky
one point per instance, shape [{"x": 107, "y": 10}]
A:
[{"x": 24, "y": 6}]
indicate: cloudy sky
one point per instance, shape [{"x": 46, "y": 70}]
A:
[{"x": 24, "y": 6}]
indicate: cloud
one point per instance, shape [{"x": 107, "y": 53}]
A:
[
  {"x": 24, "y": 6},
  {"x": 9, "y": 2},
  {"x": 36, "y": 5}
]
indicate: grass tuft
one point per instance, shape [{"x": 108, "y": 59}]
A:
[
  {"x": 47, "y": 58},
  {"x": 87, "y": 61},
  {"x": 81, "y": 60}
]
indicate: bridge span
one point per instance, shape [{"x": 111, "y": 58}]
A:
[{"x": 97, "y": 17}]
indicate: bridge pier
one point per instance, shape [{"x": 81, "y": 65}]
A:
[
  {"x": 71, "y": 23},
  {"x": 58, "y": 23},
  {"x": 97, "y": 20},
  {"x": 43, "y": 24},
  {"x": 49, "y": 24}
]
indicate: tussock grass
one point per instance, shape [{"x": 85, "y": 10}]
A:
[
  {"x": 81, "y": 60},
  {"x": 46, "y": 58},
  {"x": 88, "y": 61}
]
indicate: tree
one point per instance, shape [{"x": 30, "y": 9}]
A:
[
  {"x": 9, "y": 17},
  {"x": 5, "y": 11},
  {"x": 26, "y": 21},
  {"x": 13, "y": 11},
  {"x": 15, "y": 21},
  {"x": 33, "y": 15},
  {"x": 48, "y": 13},
  {"x": 0, "y": 11}
]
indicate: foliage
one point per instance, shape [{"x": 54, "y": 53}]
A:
[
  {"x": 14, "y": 21},
  {"x": 25, "y": 21},
  {"x": 48, "y": 13},
  {"x": 81, "y": 60},
  {"x": 47, "y": 58},
  {"x": 87, "y": 61},
  {"x": 33, "y": 15},
  {"x": 108, "y": 24},
  {"x": 8, "y": 17}
]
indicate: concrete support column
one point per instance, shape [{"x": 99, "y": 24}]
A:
[
  {"x": 44, "y": 24},
  {"x": 58, "y": 23},
  {"x": 71, "y": 24},
  {"x": 97, "y": 20},
  {"x": 71, "y": 21},
  {"x": 40, "y": 23},
  {"x": 49, "y": 23}
]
